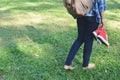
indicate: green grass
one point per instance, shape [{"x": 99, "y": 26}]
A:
[{"x": 36, "y": 35}]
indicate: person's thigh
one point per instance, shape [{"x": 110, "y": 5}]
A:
[{"x": 81, "y": 27}]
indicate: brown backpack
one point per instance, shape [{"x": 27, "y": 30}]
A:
[{"x": 78, "y": 7}]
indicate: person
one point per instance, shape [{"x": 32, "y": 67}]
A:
[{"x": 86, "y": 25}]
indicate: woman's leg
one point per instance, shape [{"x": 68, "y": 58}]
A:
[
  {"x": 91, "y": 26},
  {"x": 78, "y": 42}
]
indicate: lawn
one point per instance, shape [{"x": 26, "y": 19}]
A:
[{"x": 36, "y": 35}]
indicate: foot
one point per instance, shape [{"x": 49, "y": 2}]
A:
[
  {"x": 91, "y": 65},
  {"x": 66, "y": 67}
]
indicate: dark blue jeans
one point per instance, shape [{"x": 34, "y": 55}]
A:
[{"x": 86, "y": 25}]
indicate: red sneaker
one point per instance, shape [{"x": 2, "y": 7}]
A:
[
  {"x": 96, "y": 33},
  {"x": 102, "y": 36}
]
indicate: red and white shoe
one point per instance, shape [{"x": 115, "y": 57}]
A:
[
  {"x": 96, "y": 33},
  {"x": 102, "y": 36}
]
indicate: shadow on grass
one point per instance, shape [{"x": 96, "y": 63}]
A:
[
  {"x": 16, "y": 60},
  {"x": 113, "y": 5},
  {"x": 113, "y": 8},
  {"x": 20, "y": 65},
  {"x": 17, "y": 64},
  {"x": 30, "y": 6}
]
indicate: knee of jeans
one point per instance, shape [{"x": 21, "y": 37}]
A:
[{"x": 80, "y": 39}]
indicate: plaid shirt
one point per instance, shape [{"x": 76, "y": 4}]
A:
[{"x": 99, "y": 6}]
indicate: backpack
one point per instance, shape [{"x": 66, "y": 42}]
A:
[{"x": 78, "y": 7}]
